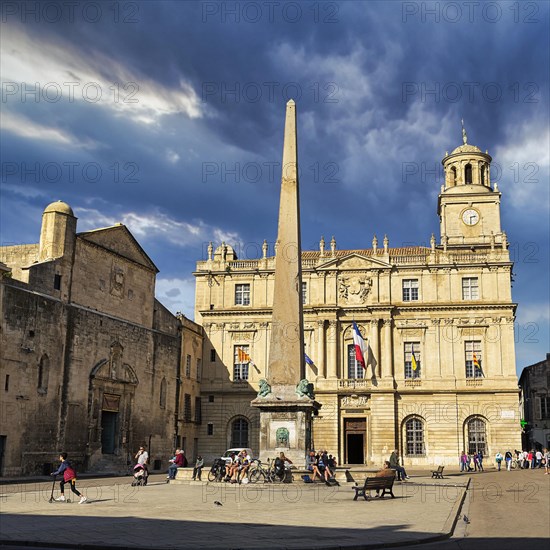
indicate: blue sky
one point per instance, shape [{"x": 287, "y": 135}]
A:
[{"x": 168, "y": 117}]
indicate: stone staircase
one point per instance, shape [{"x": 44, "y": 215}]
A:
[{"x": 109, "y": 464}]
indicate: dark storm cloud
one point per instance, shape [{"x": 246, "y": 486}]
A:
[{"x": 383, "y": 89}]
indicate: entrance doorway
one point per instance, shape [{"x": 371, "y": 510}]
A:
[
  {"x": 354, "y": 435},
  {"x": 108, "y": 432}
]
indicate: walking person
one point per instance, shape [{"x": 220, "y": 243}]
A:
[
  {"x": 546, "y": 462},
  {"x": 508, "y": 459},
  {"x": 498, "y": 459},
  {"x": 69, "y": 476},
  {"x": 538, "y": 459},
  {"x": 463, "y": 461},
  {"x": 480, "y": 460}
]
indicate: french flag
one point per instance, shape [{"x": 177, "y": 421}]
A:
[{"x": 360, "y": 346}]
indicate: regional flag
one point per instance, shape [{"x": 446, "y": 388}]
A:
[
  {"x": 359, "y": 344},
  {"x": 476, "y": 362},
  {"x": 414, "y": 364},
  {"x": 243, "y": 356},
  {"x": 308, "y": 360}
]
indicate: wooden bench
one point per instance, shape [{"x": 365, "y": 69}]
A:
[
  {"x": 384, "y": 484},
  {"x": 438, "y": 474}
]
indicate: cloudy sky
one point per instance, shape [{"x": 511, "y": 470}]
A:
[{"x": 168, "y": 117}]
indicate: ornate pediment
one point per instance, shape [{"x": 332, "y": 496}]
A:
[{"x": 354, "y": 262}]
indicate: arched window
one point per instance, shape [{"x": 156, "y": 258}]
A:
[
  {"x": 483, "y": 171},
  {"x": 452, "y": 176},
  {"x": 162, "y": 399},
  {"x": 239, "y": 433},
  {"x": 468, "y": 174},
  {"x": 414, "y": 437},
  {"x": 477, "y": 435},
  {"x": 43, "y": 374}
]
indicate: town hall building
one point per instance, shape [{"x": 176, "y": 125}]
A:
[{"x": 438, "y": 321}]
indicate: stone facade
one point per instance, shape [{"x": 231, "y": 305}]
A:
[
  {"x": 89, "y": 357},
  {"x": 449, "y": 305},
  {"x": 535, "y": 404}
]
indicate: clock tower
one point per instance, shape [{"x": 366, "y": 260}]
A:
[{"x": 468, "y": 205}]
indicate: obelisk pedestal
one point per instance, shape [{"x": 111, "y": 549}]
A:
[{"x": 286, "y": 400}]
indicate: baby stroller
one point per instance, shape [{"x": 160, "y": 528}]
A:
[{"x": 140, "y": 475}]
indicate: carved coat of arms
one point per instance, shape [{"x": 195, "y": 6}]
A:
[{"x": 354, "y": 290}]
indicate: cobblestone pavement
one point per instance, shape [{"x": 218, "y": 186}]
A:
[{"x": 283, "y": 516}]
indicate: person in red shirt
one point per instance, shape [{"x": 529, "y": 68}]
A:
[{"x": 177, "y": 462}]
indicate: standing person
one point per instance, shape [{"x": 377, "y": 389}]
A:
[
  {"x": 530, "y": 459},
  {"x": 538, "y": 458},
  {"x": 546, "y": 462},
  {"x": 69, "y": 476},
  {"x": 394, "y": 465},
  {"x": 508, "y": 459},
  {"x": 199, "y": 463},
  {"x": 498, "y": 459}
]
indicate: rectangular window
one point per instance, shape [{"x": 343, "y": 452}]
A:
[
  {"x": 199, "y": 369},
  {"x": 410, "y": 290},
  {"x": 304, "y": 293},
  {"x": 188, "y": 366},
  {"x": 240, "y": 363},
  {"x": 210, "y": 429},
  {"x": 7, "y": 383},
  {"x": 187, "y": 408},
  {"x": 411, "y": 372},
  {"x": 242, "y": 295},
  {"x": 198, "y": 410},
  {"x": 544, "y": 407},
  {"x": 212, "y": 355},
  {"x": 355, "y": 370},
  {"x": 470, "y": 290},
  {"x": 472, "y": 351},
  {"x": 211, "y": 399},
  {"x": 57, "y": 282}
]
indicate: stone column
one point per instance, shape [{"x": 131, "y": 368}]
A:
[
  {"x": 320, "y": 359},
  {"x": 332, "y": 336},
  {"x": 375, "y": 346},
  {"x": 387, "y": 356}
]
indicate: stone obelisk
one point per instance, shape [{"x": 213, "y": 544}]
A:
[
  {"x": 286, "y": 350},
  {"x": 286, "y": 399}
]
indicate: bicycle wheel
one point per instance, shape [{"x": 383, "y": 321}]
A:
[
  {"x": 256, "y": 475},
  {"x": 212, "y": 475}
]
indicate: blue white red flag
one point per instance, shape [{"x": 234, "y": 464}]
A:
[{"x": 360, "y": 347}]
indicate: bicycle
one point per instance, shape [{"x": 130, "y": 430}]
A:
[
  {"x": 268, "y": 475},
  {"x": 217, "y": 471}
]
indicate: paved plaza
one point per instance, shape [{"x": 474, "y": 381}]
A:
[{"x": 276, "y": 516}]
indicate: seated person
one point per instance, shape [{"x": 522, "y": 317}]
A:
[
  {"x": 394, "y": 465},
  {"x": 326, "y": 468},
  {"x": 386, "y": 471},
  {"x": 229, "y": 466},
  {"x": 175, "y": 462},
  {"x": 236, "y": 467},
  {"x": 245, "y": 462},
  {"x": 281, "y": 463}
]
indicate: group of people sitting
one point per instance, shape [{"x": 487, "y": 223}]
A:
[
  {"x": 321, "y": 465},
  {"x": 236, "y": 468}
]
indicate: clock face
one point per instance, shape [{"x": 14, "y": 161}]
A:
[{"x": 470, "y": 216}]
